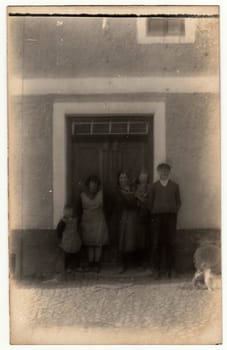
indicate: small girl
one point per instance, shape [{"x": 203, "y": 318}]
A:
[{"x": 69, "y": 238}]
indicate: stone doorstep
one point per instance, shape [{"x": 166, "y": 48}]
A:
[{"x": 106, "y": 275}]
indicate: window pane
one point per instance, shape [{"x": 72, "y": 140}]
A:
[
  {"x": 101, "y": 128},
  {"x": 157, "y": 26},
  {"x": 176, "y": 26},
  {"x": 119, "y": 128},
  {"x": 81, "y": 128},
  {"x": 138, "y": 128},
  {"x": 165, "y": 26}
]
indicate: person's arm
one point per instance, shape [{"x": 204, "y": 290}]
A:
[
  {"x": 129, "y": 200},
  {"x": 60, "y": 229},
  {"x": 150, "y": 199},
  {"x": 108, "y": 204},
  {"x": 139, "y": 196},
  {"x": 79, "y": 211},
  {"x": 178, "y": 197}
]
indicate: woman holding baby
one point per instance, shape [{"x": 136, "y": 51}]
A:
[{"x": 132, "y": 218}]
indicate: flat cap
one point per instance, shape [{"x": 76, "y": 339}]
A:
[{"x": 163, "y": 166}]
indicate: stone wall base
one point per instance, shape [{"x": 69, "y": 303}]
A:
[{"x": 36, "y": 253}]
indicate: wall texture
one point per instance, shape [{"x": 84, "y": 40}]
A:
[
  {"x": 193, "y": 148},
  {"x": 30, "y": 163},
  {"x": 80, "y": 47},
  {"x": 192, "y": 134}
]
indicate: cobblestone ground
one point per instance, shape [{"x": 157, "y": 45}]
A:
[{"x": 127, "y": 309}]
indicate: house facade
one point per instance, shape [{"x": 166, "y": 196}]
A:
[{"x": 97, "y": 94}]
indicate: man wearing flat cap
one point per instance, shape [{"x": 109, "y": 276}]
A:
[{"x": 164, "y": 203}]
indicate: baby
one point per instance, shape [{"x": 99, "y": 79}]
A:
[{"x": 142, "y": 188}]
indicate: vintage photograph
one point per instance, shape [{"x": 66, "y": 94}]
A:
[{"x": 114, "y": 175}]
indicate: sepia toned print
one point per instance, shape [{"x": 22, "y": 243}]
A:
[{"x": 114, "y": 175}]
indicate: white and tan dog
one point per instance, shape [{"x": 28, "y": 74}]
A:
[{"x": 207, "y": 260}]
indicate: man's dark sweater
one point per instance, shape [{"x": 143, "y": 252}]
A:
[{"x": 164, "y": 199}]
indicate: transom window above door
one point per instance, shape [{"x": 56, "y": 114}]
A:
[{"x": 98, "y": 128}]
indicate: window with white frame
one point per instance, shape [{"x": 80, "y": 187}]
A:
[{"x": 151, "y": 30}]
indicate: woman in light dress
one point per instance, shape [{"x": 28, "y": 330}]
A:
[{"x": 92, "y": 221}]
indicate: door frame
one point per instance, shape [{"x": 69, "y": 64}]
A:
[{"x": 64, "y": 110}]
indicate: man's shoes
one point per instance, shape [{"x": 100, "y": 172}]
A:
[
  {"x": 69, "y": 270},
  {"x": 79, "y": 269},
  {"x": 97, "y": 267},
  {"x": 172, "y": 274},
  {"x": 156, "y": 274},
  {"x": 169, "y": 274},
  {"x": 122, "y": 269},
  {"x": 89, "y": 267}
]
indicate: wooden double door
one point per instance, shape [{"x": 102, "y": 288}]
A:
[{"x": 106, "y": 159}]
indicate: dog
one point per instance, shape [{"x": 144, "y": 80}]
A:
[
  {"x": 204, "y": 278},
  {"x": 207, "y": 261}
]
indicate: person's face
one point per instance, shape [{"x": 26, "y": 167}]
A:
[
  {"x": 123, "y": 180},
  {"x": 92, "y": 187},
  {"x": 143, "y": 178},
  {"x": 164, "y": 173}
]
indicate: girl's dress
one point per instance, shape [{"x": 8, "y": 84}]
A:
[
  {"x": 127, "y": 209},
  {"x": 94, "y": 229}
]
